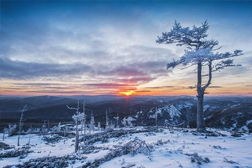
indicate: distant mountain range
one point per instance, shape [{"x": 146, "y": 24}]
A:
[{"x": 222, "y": 112}]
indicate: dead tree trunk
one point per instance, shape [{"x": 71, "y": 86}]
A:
[
  {"x": 76, "y": 137},
  {"x": 21, "y": 123}
]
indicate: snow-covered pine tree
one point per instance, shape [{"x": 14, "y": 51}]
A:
[
  {"x": 124, "y": 122},
  {"x": 78, "y": 117},
  {"x": 92, "y": 122},
  {"x": 99, "y": 126},
  {"x": 199, "y": 51},
  {"x": 117, "y": 119},
  {"x": 127, "y": 121},
  {"x": 173, "y": 112},
  {"x": 12, "y": 129},
  {"x": 107, "y": 121}
]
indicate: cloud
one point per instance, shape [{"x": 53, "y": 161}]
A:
[
  {"x": 143, "y": 91},
  {"x": 113, "y": 48},
  {"x": 136, "y": 80},
  {"x": 134, "y": 74},
  {"x": 58, "y": 92},
  {"x": 110, "y": 85},
  {"x": 215, "y": 87},
  {"x": 120, "y": 71},
  {"x": 159, "y": 87},
  {"x": 24, "y": 70},
  {"x": 175, "y": 87},
  {"x": 36, "y": 84}
]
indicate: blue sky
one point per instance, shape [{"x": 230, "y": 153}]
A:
[{"x": 106, "y": 47}]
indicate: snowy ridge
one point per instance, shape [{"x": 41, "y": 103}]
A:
[{"x": 170, "y": 109}]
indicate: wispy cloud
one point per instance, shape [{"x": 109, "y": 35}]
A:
[
  {"x": 25, "y": 70},
  {"x": 159, "y": 87},
  {"x": 215, "y": 87}
]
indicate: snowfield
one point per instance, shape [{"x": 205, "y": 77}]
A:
[{"x": 136, "y": 147}]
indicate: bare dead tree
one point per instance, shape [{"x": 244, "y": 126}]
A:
[
  {"x": 83, "y": 122},
  {"x": 21, "y": 123}
]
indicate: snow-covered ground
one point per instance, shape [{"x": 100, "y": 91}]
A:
[
  {"x": 178, "y": 148},
  {"x": 39, "y": 148}
]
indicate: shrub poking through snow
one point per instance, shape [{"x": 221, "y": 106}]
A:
[
  {"x": 52, "y": 138},
  {"x": 104, "y": 136},
  {"x": 229, "y": 161},
  {"x": 129, "y": 165},
  {"x": 56, "y": 162},
  {"x": 133, "y": 147},
  {"x": 5, "y": 146},
  {"x": 218, "y": 147},
  {"x": 21, "y": 152},
  {"x": 12, "y": 130},
  {"x": 92, "y": 149},
  {"x": 195, "y": 158},
  {"x": 160, "y": 142},
  {"x": 138, "y": 146}
]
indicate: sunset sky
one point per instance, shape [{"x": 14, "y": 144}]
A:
[{"x": 109, "y": 48}]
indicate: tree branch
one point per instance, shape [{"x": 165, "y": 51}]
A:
[
  {"x": 209, "y": 75},
  {"x": 174, "y": 63}
]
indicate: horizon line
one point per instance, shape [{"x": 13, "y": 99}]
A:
[{"x": 228, "y": 95}]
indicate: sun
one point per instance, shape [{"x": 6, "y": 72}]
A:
[{"x": 127, "y": 93}]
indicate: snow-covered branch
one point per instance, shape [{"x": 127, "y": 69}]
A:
[
  {"x": 223, "y": 64},
  {"x": 186, "y": 36}
]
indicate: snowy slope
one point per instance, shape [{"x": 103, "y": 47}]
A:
[{"x": 168, "y": 148}]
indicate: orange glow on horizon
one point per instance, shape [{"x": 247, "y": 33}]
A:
[
  {"x": 10, "y": 89},
  {"x": 127, "y": 93},
  {"x": 167, "y": 93}
]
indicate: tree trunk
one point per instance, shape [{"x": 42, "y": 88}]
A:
[
  {"x": 200, "y": 114},
  {"x": 76, "y": 138},
  {"x": 200, "y": 96}
]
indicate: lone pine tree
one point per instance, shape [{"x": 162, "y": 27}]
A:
[{"x": 199, "y": 51}]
